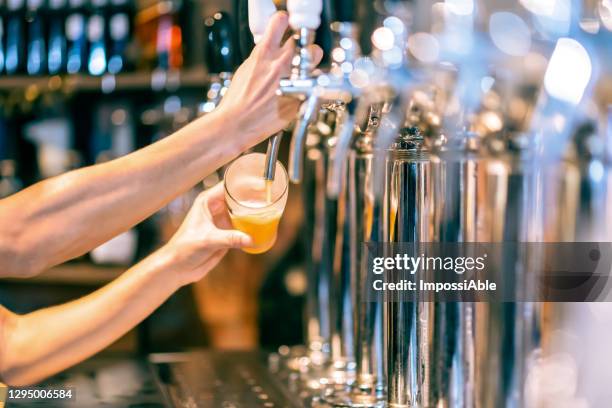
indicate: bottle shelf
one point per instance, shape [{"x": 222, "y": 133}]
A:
[
  {"x": 75, "y": 273},
  {"x": 156, "y": 80}
]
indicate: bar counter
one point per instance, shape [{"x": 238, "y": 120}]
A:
[{"x": 199, "y": 378}]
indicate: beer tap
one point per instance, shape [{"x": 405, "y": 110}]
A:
[
  {"x": 220, "y": 57},
  {"x": 260, "y": 12},
  {"x": 344, "y": 54},
  {"x": 304, "y": 19},
  {"x": 304, "y": 84},
  {"x": 373, "y": 109},
  {"x": 322, "y": 213}
]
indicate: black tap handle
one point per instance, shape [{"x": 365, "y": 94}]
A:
[
  {"x": 344, "y": 11},
  {"x": 245, "y": 37},
  {"x": 324, "y": 37},
  {"x": 220, "y": 50}
]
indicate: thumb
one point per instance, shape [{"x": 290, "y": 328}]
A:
[{"x": 229, "y": 239}]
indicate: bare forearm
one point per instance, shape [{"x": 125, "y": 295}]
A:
[
  {"x": 47, "y": 341},
  {"x": 64, "y": 217}
]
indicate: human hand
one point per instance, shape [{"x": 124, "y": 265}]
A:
[
  {"x": 252, "y": 101},
  {"x": 204, "y": 237}
]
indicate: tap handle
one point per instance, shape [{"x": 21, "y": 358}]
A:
[
  {"x": 220, "y": 51},
  {"x": 344, "y": 11},
  {"x": 304, "y": 14},
  {"x": 260, "y": 12},
  {"x": 244, "y": 36}
]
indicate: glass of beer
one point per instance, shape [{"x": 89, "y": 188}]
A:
[{"x": 255, "y": 204}]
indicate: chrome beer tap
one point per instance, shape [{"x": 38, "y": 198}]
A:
[
  {"x": 312, "y": 146},
  {"x": 260, "y": 12},
  {"x": 406, "y": 219},
  {"x": 372, "y": 100},
  {"x": 361, "y": 224},
  {"x": 304, "y": 19}
]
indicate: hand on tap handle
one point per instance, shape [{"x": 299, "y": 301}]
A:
[
  {"x": 58, "y": 219},
  {"x": 252, "y": 98},
  {"x": 260, "y": 13}
]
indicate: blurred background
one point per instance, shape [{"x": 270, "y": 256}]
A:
[
  {"x": 86, "y": 81},
  {"x": 519, "y": 93},
  {"x": 82, "y": 82}
]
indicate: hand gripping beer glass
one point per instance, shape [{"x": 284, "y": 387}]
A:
[{"x": 255, "y": 204}]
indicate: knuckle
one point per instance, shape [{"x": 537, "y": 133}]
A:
[
  {"x": 202, "y": 197},
  {"x": 235, "y": 240},
  {"x": 277, "y": 68}
]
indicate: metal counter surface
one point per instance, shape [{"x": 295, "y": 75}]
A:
[
  {"x": 219, "y": 379},
  {"x": 103, "y": 381},
  {"x": 208, "y": 379}
]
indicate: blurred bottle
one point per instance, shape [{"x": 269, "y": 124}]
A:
[
  {"x": 119, "y": 34},
  {"x": 36, "y": 48},
  {"x": 15, "y": 37},
  {"x": 169, "y": 42},
  {"x": 96, "y": 37},
  {"x": 2, "y": 34},
  {"x": 9, "y": 182},
  {"x": 76, "y": 36},
  {"x": 113, "y": 137},
  {"x": 221, "y": 58},
  {"x": 159, "y": 34},
  {"x": 52, "y": 134},
  {"x": 57, "y": 55}
]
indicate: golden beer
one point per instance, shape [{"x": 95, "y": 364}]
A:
[
  {"x": 255, "y": 205},
  {"x": 261, "y": 228}
]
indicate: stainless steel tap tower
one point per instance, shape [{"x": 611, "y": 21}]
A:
[{"x": 450, "y": 131}]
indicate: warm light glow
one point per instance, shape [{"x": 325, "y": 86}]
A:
[
  {"x": 172, "y": 104},
  {"x": 424, "y": 47},
  {"x": 394, "y": 24},
  {"x": 338, "y": 54},
  {"x": 510, "y": 33},
  {"x": 363, "y": 70},
  {"x": 323, "y": 80},
  {"x": 552, "y": 17},
  {"x": 393, "y": 57},
  {"x": 347, "y": 67},
  {"x": 540, "y": 7},
  {"x": 486, "y": 83},
  {"x": 568, "y": 72},
  {"x": 383, "y": 38},
  {"x": 492, "y": 121},
  {"x": 359, "y": 78},
  {"x": 605, "y": 13},
  {"x": 346, "y": 43},
  {"x": 460, "y": 7}
]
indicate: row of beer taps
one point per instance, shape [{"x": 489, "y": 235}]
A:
[{"x": 468, "y": 122}]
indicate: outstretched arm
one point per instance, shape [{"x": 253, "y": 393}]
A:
[
  {"x": 44, "y": 342},
  {"x": 66, "y": 216}
]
